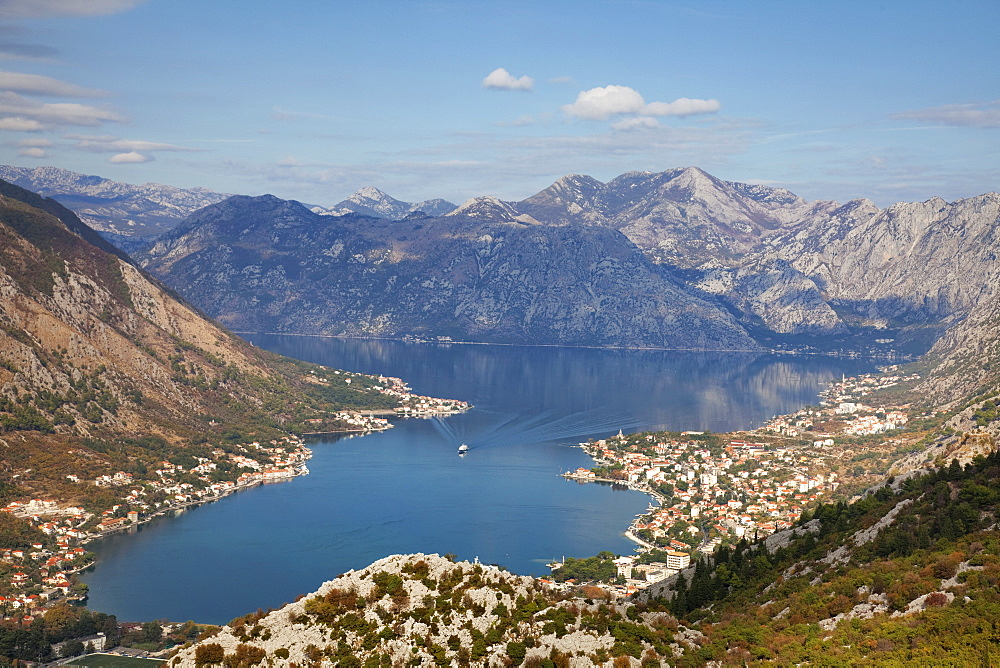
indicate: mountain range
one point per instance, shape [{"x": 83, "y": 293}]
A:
[
  {"x": 130, "y": 215},
  {"x": 759, "y": 267},
  {"x": 665, "y": 259}
]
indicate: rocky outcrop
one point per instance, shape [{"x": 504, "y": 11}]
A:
[{"x": 423, "y": 609}]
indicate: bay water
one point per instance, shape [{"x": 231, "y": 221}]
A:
[{"x": 406, "y": 489}]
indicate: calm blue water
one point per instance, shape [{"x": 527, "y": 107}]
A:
[{"x": 406, "y": 490}]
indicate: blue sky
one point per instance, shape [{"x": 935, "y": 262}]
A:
[{"x": 313, "y": 99}]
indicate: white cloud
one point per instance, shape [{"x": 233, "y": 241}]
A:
[
  {"x": 32, "y": 152},
  {"x": 682, "y": 106},
  {"x": 977, "y": 115},
  {"x": 109, "y": 144},
  {"x": 20, "y": 51},
  {"x": 40, "y": 143},
  {"x": 59, "y": 113},
  {"x": 599, "y": 104},
  {"x": 35, "y": 84},
  {"x": 19, "y": 124},
  {"x": 43, "y": 8},
  {"x": 130, "y": 157},
  {"x": 501, "y": 79},
  {"x": 636, "y": 123}
]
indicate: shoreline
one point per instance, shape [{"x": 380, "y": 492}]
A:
[
  {"x": 630, "y": 531},
  {"x": 889, "y": 355}
]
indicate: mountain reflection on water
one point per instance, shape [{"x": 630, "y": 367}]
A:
[{"x": 407, "y": 490}]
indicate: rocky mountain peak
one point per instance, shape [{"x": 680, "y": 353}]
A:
[
  {"x": 371, "y": 193},
  {"x": 372, "y": 198},
  {"x": 370, "y": 201},
  {"x": 488, "y": 207}
]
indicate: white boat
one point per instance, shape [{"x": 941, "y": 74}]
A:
[{"x": 462, "y": 449}]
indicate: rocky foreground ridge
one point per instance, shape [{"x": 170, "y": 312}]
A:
[{"x": 427, "y": 610}]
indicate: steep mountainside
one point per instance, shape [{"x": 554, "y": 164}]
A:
[
  {"x": 272, "y": 265},
  {"x": 117, "y": 209},
  {"x": 94, "y": 352},
  {"x": 966, "y": 360},
  {"x": 911, "y": 264}
]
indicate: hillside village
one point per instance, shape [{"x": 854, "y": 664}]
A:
[{"x": 713, "y": 489}]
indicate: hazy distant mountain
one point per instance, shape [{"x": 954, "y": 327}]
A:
[
  {"x": 265, "y": 264},
  {"x": 112, "y": 207},
  {"x": 370, "y": 201}
]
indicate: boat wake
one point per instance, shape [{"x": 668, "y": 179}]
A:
[{"x": 542, "y": 428}]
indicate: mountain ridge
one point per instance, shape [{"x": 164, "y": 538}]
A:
[{"x": 457, "y": 276}]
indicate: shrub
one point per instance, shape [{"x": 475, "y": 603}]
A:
[{"x": 209, "y": 654}]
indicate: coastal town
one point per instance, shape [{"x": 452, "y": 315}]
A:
[
  {"x": 35, "y": 578},
  {"x": 709, "y": 489}
]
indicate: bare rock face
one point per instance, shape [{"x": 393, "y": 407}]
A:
[
  {"x": 682, "y": 217},
  {"x": 918, "y": 263},
  {"x": 770, "y": 289}
]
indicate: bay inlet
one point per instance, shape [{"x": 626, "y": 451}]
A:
[{"x": 406, "y": 489}]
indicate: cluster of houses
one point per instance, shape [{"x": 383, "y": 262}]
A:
[
  {"x": 743, "y": 490},
  {"x": 841, "y": 411},
  {"x": 42, "y": 572},
  {"x": 390, "y": 386},
  {"x": 416, "y": 404}
]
